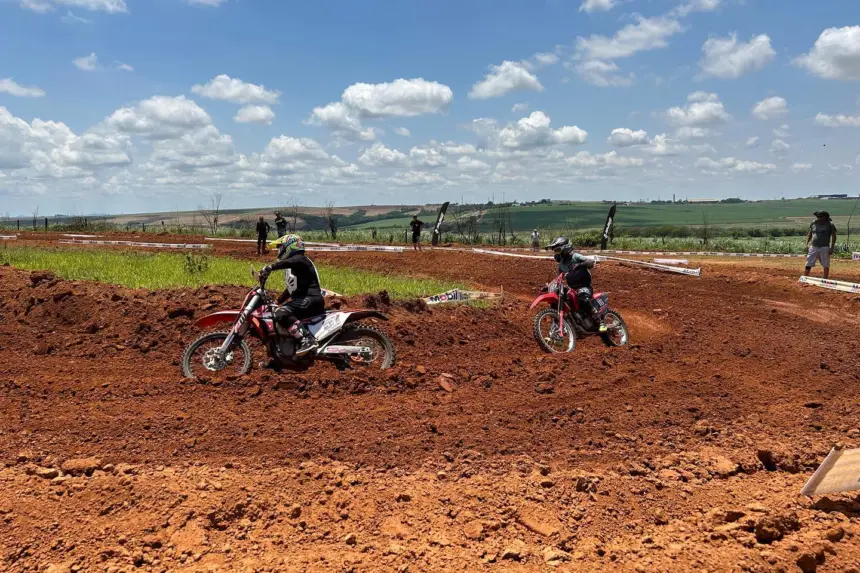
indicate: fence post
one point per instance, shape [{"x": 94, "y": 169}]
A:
[
  {"x": 85, "y": 223},
  {"x": 144, "y": 226},
  {"x": 19, "y": 223},
  {"x": 46, "y": 224}
]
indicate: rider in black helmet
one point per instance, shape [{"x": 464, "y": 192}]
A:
[{"x": 576, "y": 268}]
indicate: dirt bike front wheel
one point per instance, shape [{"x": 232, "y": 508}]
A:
[
  {"x": 202, "y": 359},
  {"x": 617, "y": 333},
  {"x": 382, "y": 354},
  {"x": 548, "y": 334}
]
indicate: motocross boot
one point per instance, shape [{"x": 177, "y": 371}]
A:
[{"x": 308, "y": 342}]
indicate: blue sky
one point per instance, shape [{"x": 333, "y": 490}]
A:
[{"x": 129, "y": 105}]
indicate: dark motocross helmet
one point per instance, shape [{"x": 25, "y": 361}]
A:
[{"x": 560, "y": 246}]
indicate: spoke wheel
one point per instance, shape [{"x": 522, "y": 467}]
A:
[
  {"x": 382, "y": 354},
  {"x": 202, "y": 360},
  {"x": 617, "y": 333},
  {"x": 548, "y": 334}
]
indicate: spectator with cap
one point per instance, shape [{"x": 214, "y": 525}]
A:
[
  {"x": 820, "y": 242},
  {"x": 280, "y": 224}
]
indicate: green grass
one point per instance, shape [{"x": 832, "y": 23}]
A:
[
  {"x": 169, "y": 270},
  {"x": 797, "y": 212}
]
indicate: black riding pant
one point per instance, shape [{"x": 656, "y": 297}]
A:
[
  {"x": 579, "y": 280},
  {"x": 297, "y": 309},
  {"x": 261, "y": 242}
]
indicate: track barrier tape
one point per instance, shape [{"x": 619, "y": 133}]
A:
[
  {"x": 667, "y": 268},
  {"x": 672, "y": 261},
  {"x": 842, "y": 286},
  {"x": 134, "y": 244},
  {"x": 8, "y": 237}
]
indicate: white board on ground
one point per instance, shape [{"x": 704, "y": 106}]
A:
[
  {"x": 134, "y": 244},
  {"x": 8, "y": 237},
  {"x": 672, "y": 261},
  {"x": 517, "y": 255},
  {"x": 855, "y": 256},
  {"x": 80, "y": 236},
  {"x": 840, "y": 471},
  {"x": 667, "y": 268},
  {"x": 831, "y": 284}
]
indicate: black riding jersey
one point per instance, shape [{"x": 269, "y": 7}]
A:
[{"x": 307, "y": 278}]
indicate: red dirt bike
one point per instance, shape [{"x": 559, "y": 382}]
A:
[
  {"x": 557, "y": 326},
  {"x": 342, "y": 340}
]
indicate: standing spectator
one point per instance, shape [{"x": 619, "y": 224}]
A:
[
  {"x": 535, "y": 241},
  {"x": 820, "y": 240},
  {"x": 280, "y": 224},
  {"x": 416, "y": 232},
  {"x": 262, "y": 234}
]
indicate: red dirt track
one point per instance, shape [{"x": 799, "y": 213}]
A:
[{"x": 685, "y": 450}]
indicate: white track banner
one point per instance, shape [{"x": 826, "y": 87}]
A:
[
  {"x": 357, "y": 249},
  {"x": 517, "y": 255},
  {"x": 831, "y": 284},
  {"x": 840, "y": 471},
  {"x": 672, "y": 261},
  {"x": 855, "y": 256},
  {"x": 134, "y": 244},
  {"x": 8, "y": 237},
  {"x": 229, "y": 240},
  {"x": 702, "y": 254},
  {"x": 667, "y": 268},
  {"x": 458, "y": 295},
  {"x": 80, "y": 236}
]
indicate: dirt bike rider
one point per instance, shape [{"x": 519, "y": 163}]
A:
[
  {"x": 305, "y": 294},
  {"x": 577, "y": 275}
]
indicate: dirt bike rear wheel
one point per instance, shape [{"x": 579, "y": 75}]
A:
[
  {"x": 544, "y": 334},
  {"x": 618, "y": 334},
  {"x": 211, "y": 366},
  {"x": 384, "y": 354}
]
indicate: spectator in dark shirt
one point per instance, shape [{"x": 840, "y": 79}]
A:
[
  {"x": 262, "y": 234},
  {"x": 820, "y": 242},
  {"x": 416, "y": 225},
  {"x": 280, "y": 224}
]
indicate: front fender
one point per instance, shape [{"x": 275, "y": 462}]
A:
[
  {"x": 217, "y": 317},
  {"x": 549, "y": 298},
  {"x": 228, "y": 316}
]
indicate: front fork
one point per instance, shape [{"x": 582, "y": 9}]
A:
[{"x": 241, "y": 327}]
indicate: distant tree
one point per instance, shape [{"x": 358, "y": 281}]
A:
[
  {"x": 330, "y": 219},
  {"x": 211, "y": 214}
]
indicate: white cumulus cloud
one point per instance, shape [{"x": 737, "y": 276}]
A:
[
  {"x": 9, "y": 86},
  {"x": 835, "y": 55},
  {"x": 535, "y": 131},
  {"x": 597, "y": 5},
  {"x": 730, "y": 164},
  {"x": 43, "y": 6},
  {"x": 223, "y": 87},
  {"x": 87, "y": 63},
  {"x": 770, "y": 108},
  {"x": 625, "y": 137},
  {"x": 160, "y": 117},
  {"x": 752, "y": 141},
  {"x": 402, "y": 131},
  {"x": 379, "y": 155},
  {"x": 505, "y": 78},
  {"x": 727, "y": 58},
  {"x": 797, "y": 167},
  {"x": 255, "y": 114},
  {"x": 838, "y": 120},
  {"x": 779, "y": 147},
  {"x": 400, "y": 98},
  {"x": 646, "y": 34},
  {"x": 703, "y": 109}
]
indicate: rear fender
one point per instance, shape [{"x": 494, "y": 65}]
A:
[
  {"x": 550, "y": 298},
  {"x": 360, "y": 314},
  {"x": 229, "y": 316}
]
